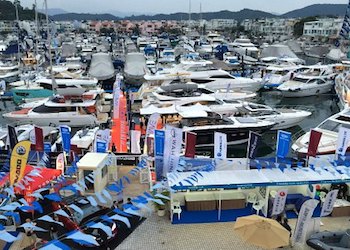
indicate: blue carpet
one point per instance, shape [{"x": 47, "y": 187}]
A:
[{"x": 191, "y": 217}]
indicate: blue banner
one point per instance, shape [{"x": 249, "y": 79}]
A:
[
  {"x": 253, "y": 143},
  {"x": 159, "y": 139},
  {"x": 47, "y": 147},
  {"x": 283, "y": 143},
  {"x": 65, "y": 135},
  {"x": 101, "y": 146}
]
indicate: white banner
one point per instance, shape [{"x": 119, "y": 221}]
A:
[
  {"x": 305, "y": 214},
  {"x": 32, "y": 136},
  {"x": 279, "y": 202},
  {"x": 328, "y": 204},
  {"x": 116, "y": 96},
  {"x": 172, "y": 148},
  {"x": 220, "y": 145},
  {"x": 152, "y": 124},
  {"x": 343, "y": 140},
  {"x": 135, "y": 137},
  {"x": 102, "y": 135}
]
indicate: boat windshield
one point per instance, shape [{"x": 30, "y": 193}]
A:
[
  {"x": 301, "y": 79},
  {"x": 330, "y": 126}
]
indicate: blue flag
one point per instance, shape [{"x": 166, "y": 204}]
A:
[
  {"x": 101, "y": 146},
  {"x": 159, "y": 139},
  {"x": 283, "y": 143},
  {"x": 65, "y": 135}
]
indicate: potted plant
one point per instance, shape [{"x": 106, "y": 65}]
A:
[{"x": 161, "y": 208}]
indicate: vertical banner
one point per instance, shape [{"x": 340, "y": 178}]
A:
[
  {"x": 283, "y": 143},
  {"x": 172, "y": 148},
  {"x": 159, "y": 139},
  {"x": 253, "y": 143},
  {"x": 47, "y": 147},
  {"x": 135, "y": 137},
  {"x": 60, "y": 162},
  {"x": 328, "y": 204},
  {"x": 12, "y": 136},
  {"x": 279, "y": 202},
  {"x": 220, "y": 145},
  {"x": 343, "y": 140},
  {"x": 102, "y": 136},
  {"x": 305, "y": 214},
  {"x": 39, "y": 139},
  {"x": 18, "y": 161},
  {"x": 65, "y": 135},
  {"x": 190, "y": 144},
  {"x": 116, "y": 98},
  {"x": 314, "y": 140},
  {"x": 152, "y": 124}
]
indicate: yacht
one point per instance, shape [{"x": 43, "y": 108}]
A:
[
  {"x": 135, "y": 68},
  {"x": 102, "y": 67},
  {"x": 314, "y": 80},
  {"x": 9, "y": 71},
  {"x": 66, "y": 84},
  {"x": 246, "y": 49},
  {"x": 74, "y": 111},
  {"x": 210, "y": 78},
  {"x": 329, "y": 129},
  {"x": 177, "y": 91},
  {"x": 205, "y": 124},
  {"x": 274, "y": 75},
  {"x": 193, "y": 59},
  {"x": 167, "y": 56}
]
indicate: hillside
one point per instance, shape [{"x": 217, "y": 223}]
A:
[
  {"x": 8, "y": 12},
  {"x": 318, "y": 10},
  {"x": 82, "y": 16}
]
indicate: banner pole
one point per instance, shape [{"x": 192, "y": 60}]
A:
[{"x": 248, "y": 146}]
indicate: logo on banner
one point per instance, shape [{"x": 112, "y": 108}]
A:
[
  {"x": 65, "y": 134},
  {"x": 220, "y": 145}
]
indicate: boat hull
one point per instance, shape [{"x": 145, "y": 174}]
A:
[{"x": 304, "y": 92}]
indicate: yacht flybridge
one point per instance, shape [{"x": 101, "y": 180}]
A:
[{"x": 86, "y": 109}]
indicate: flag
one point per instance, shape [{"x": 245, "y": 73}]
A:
[
  {"x": 116, "y": 98},
  {"x": 279, "y": 202},
  {"x": 65, "y": 135},
  {"x": 12, "y": 136},
  {"x": 152, "y": 124},
  {"x": 135, "y": 137},
  {"x": 18, "y": 161},
  {"x": 190, "y": 144},
  {"x": 60, "y": 162},
  {"x": 314, "y": 140},
  {"x": 343, "y": 140},
  {"x": 39, "y": 139},
  {"x": 102, "y": 136},
  {"x": 283, "y": 143},
  {"x": 172, "y": 148},
  {"x": 305, "y": 214},
  {"x": 220, "y": 145},
  {"x": 253, "y": 142},
  {"x": 101, "y": 146},
  {"x": 328, "y": 204},
  {"x": 344, "y": 32}
]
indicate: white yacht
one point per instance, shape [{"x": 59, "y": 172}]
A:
[
  {"x": 342, "y": 88},
  {"x": 135, "y": 67},
  {"x": 9, "y": 71},
  {"x": 314, "y": 80},
  {"x": 167, "y": 56},
  {"x": 245, "y": 48},
  {"x": 329, "y": 129},
  {"x": 275, "y": 75},
  {"x": 74, "y": 111}
]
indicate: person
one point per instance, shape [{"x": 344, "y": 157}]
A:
[
  {"x": 129, "y": 201},
  {"x": 114, "y": 149},
  {"x": 114, "y": 205},
  {"x": 283, "y": 221}
]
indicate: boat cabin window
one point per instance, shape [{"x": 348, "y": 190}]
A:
[
  {"x": 301, "y": 79},
  {"x": 47, "y": 109},
  {"x": 45, "y": 85},
  {"x": 206, "y": 91},
  {"x": 222, "y": 77}
]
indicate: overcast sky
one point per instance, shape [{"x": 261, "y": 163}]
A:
[{"x": 170, "y": 6}]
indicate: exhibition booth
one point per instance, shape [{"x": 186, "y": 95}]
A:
[{"x": 219, "y": 196}]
